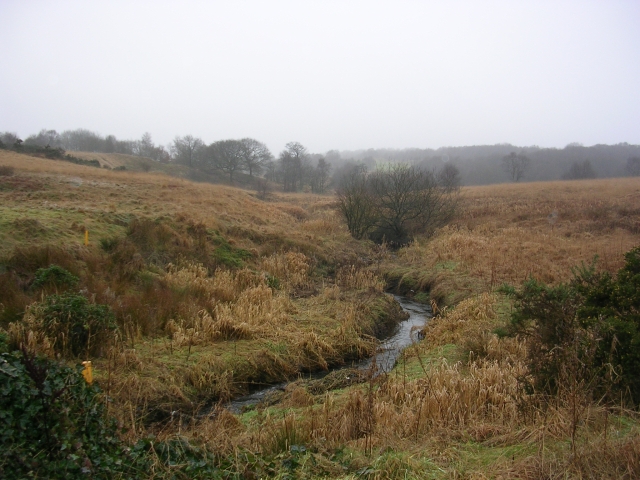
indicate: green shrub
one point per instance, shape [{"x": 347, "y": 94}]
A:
[
  {"x": 612, "y": 306},
  {"x": 587, "y": 330},
  {"x": 76, "y": 326},
  {"x": 54, "y": 276},
  {"x": 547, "y": 316},
  {"x": 52, "y": 423}
]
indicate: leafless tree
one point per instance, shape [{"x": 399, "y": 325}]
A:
[
  {"x": 320, "y": 176},
  {"x": 255, "y": 155},
  {"x": 263, "y": 188},
  {"x": 355, "y": 202},
  {"x": 395, "y": 203},
  {"x": 186, "y": 150},
  {"x": 44, "y": 138},
  {"x": 449, "y": 177},
  {"x": 515, "y": 165},
  {"x": 633, "y": 166},
  {"x": 292, "y": 162},
  {"x": 225, "y": 156},
  {"x": 8, "y": 139},
  {"x": 82, "y": 140},
  {"x": 579, "y": 171}
]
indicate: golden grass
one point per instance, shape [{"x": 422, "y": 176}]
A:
[
  {"x": 463, "y": 416},
  {"x": 508, "y": 233},
  {"x": 66, "y": 198}
]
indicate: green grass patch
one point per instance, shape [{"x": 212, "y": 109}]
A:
[{"x": 412, "y": 363}]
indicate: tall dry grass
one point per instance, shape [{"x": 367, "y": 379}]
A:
[
  {"x": 508, "y": 233},
  {"x": 240, "y": 328}
]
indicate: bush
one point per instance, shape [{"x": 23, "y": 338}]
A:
[
  {"x": 395, "y": 203},
  {"x": 588, "y": 328},
  {"x": 612, "y": 306},
  {"x": 52, "y": 423},
  {"x": 54, "y": 276},
  {"x": 25, "y": 261},
  {"x": 74, "y": 326}
]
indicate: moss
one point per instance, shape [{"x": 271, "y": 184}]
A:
[
  {"x": 422, "y": 297},
  {"x": 230, "y": 256}
]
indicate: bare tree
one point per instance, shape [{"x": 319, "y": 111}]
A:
[
  {"x": 320, "y": 176},
  {"x": 579, "y": 171},
  {"x": 9, "y": 139},
  {"x": 394, "y": 203},
  {"x": 186, "y": 150},
  {"x": 515, "y": 165},
  {"x": 44, "y": 138},
  {"x": 449, "y": 177},
  {"x": 355, "y": 202},
  {"x": 255, "y": 155},
  {"x": 82, "y": 140},
  {"x": 263, "y": 188},
  {"x": 292, "y": 160},
  {"x": 226, "y": 156}
]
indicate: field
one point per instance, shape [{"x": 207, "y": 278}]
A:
[{"x": 216, "y": 292}]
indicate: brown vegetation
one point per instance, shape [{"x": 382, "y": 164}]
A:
[{"x": 214, "y": 292}]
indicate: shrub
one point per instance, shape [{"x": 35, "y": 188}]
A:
[
  {"x": 52, "y": 423},
  {"x": 54, "y": 276},
  {"x": 547, "y": 316},
  {"x": 73, "y": 325},
  {"x": 612, "y": 306},
  {"x": 395, "y": 203},
  {"x": 25, "y": 261},
  {"x": 588, "y": 328}
]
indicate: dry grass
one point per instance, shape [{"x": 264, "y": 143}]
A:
[
  {"x": 508, "y": 233},
  {"x": 62, "y": 196},
  {"x": 453, "y": 408}
]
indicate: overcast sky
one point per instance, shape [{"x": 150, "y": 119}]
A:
[{"x": 329, "y": 74}]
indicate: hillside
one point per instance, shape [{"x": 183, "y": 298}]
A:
[
  {"x": 143, "y": 164},
  {"x": 215, "y": 292}
]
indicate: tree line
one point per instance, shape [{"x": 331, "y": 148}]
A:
[
  {"x": 487, "y": 164},
  {"x": 294, "y": 169}
]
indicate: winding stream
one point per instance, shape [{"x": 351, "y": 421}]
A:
[{"x": 388, "y": 352}]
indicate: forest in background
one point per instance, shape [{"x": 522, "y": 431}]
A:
[{"x": 296, "y": 168}]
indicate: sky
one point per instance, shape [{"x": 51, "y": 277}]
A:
[{"x": 329, "y": 74}]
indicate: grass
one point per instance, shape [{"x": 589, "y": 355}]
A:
[{"x": 215, "y": 293}]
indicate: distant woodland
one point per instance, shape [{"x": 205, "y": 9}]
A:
[{"x": 295, "y": 168}]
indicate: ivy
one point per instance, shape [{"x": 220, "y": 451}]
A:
[{"x": 53, "y": 424}]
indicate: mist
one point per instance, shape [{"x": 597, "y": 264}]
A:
[{"x": 330, "y": 75}]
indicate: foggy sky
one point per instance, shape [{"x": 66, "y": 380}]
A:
[{"x": 329, "y": 74}]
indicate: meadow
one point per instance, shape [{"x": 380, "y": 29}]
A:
[{"x": 215, "y": 292}]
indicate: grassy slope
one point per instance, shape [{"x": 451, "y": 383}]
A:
[
  {"x": 440, "y": 414},
  {"x": 308, "y": 323},
  {"x": 447, "y": 413}
]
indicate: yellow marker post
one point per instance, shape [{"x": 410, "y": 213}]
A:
[
  {"x": 87, "y": 372},
  {"x": 86, "y": 238}
]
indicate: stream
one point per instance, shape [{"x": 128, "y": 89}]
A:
[{"x": 385, "y": 359}]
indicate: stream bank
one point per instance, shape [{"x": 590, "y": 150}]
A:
[{"x": 404, "y": 334}]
